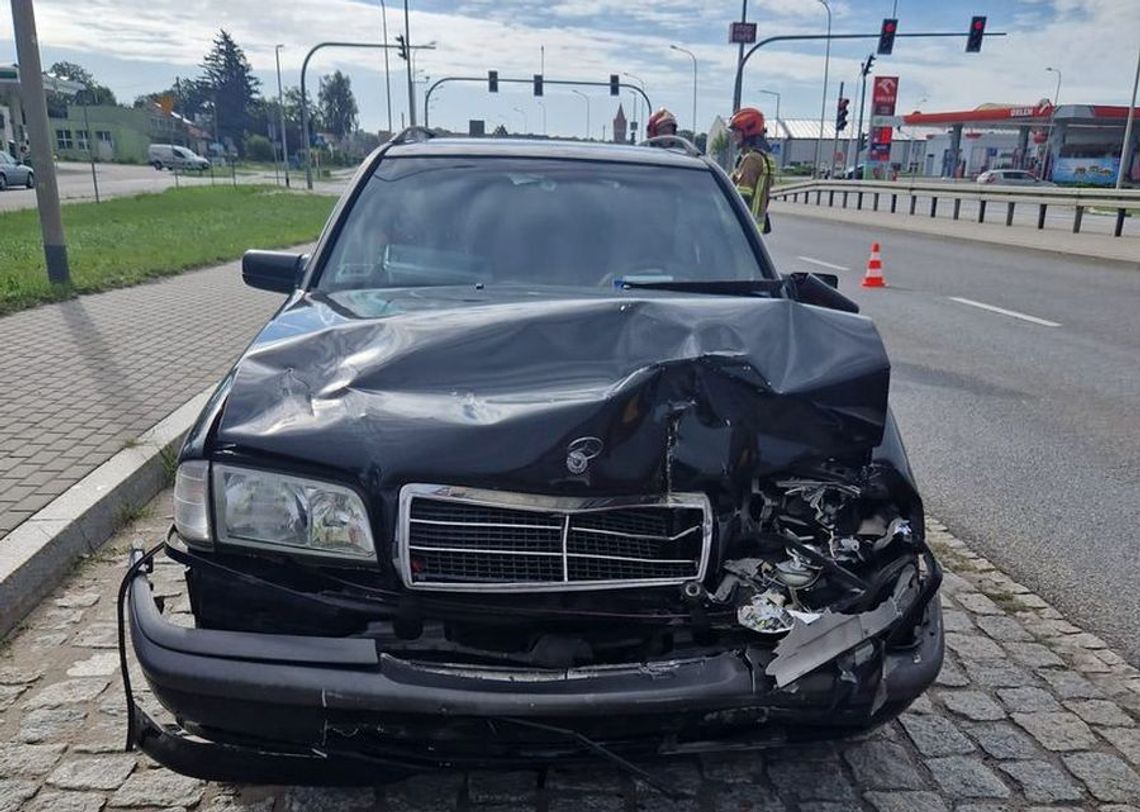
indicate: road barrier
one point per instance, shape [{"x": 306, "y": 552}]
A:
[{"x": 1079, "y": 200}]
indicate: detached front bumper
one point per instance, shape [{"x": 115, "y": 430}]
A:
[{"x": 311, "y": 710}]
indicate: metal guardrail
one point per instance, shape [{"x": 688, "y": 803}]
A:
[{"x": 1120, "y": 200}]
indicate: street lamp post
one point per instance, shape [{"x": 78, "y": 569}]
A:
[
  {"x": 281, "y": 109},
  {"x": 637, "y": 101},
  {"x": 35, "y": 108},
  {"x": 542, "y": 106},
  {"x": 1126, "y": 145},
  {"x": 587, "y": 100},
  {"x": 1057, "y": 92},
  {"x": 1052, "y": 117},
  {"x": 693, "y": 57},
  {"x": 823, "y": 103},
  {"x": 411, "y": 89},
  {"x": 387, "y": 71},
  {"x": 522, "y": 112}
]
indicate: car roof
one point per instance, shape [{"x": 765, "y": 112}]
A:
[{"x": 536, "y": 148}]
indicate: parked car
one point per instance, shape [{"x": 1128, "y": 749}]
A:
[
  {"x": 540, "y": 459},
  {"x": 173, "y": 156},
  {"x": 1011, "y": 177},
  {"x": 14, "y": 173}
]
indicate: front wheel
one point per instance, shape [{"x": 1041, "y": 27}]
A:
[
  {"x": 157, "y": 165},
  {"x": 30, "y": 183},
  {"x": 3, "y": 183}
]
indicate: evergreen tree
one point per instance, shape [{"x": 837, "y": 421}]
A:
[{"x": 229, "y": 87}]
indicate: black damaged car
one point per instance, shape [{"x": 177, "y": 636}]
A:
[{"x": 541, "y": 459}]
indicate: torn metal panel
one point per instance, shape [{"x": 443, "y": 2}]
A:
[{"x": 812, "y": 644}]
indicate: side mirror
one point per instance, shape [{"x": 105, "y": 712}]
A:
[
  {"x": 278, "y": 271},
  {"x": 820, "y": 290}
]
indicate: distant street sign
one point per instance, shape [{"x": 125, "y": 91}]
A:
[
  {"x": 9, "y": 74},
  {"x": 742, "y": 32}
]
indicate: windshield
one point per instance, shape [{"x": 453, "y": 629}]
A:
[{"x": 441, "y": 221}]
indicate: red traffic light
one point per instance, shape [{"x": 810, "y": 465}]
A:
[
  {"x": 887, "y": 35},
  {"x": 976, "y": 34}
]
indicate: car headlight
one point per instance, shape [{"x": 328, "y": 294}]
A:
[{"x": 288, "y": 513}]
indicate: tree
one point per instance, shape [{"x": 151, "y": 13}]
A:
[
  {"x": 337, "y": 105},
  {"x": 95, "y": 94},
  {"x": 229, "y": 86}
]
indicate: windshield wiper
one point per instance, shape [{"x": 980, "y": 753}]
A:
[{"x": 723, "y": 287}]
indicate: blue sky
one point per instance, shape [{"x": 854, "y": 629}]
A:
[{"x": 136, "y": 47}]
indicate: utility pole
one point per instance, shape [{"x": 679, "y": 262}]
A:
[
  {"x": 1126, "y": 147},
  {"x": 387, "y": 71},
  {"x": 823, "y": 104},
  {"x": 855, "y": 174},
  {"x": 411, "y": 87},
  {"x": 835, "y": 141},
  {"x": 35, "y": 108},
  {"x": 281, "y": 110}
]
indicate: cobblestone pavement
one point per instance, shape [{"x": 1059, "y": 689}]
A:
[
  {"x": 85, "y": 377},
  {"x": 1029, "y": 713}
]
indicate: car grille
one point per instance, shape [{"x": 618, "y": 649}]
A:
[{"x": 464, "y": 539}]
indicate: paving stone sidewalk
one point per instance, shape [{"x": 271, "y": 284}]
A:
[
  {"x": 82, "y": 379},
  {"x": 1029, "y": 713}
]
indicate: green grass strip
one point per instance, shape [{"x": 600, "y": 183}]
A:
[{"x": 127, "y": 240}]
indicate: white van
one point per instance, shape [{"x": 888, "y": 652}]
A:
[{"x": 172, "y": 156}]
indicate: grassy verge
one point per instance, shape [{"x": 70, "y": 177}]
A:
[{"x": 127, "y": 240}]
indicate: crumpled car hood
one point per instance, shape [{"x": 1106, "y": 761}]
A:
[{"x": 490, "y": 388}]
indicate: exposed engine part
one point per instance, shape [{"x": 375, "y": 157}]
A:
[{"x": 819, "y": 549}]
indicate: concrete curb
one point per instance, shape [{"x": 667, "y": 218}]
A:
[
  {"x": 40, "y": 552},
  {"x": 1122, "y": 250}
]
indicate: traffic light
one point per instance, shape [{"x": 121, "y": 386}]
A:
[
  {"x": 403, "y": 46},
  {"x": 974, "y": 38},
  {"x": 615, "y": 85},
  {"x": 887, "y": 35},
  {"x": 538, "y": 84},
  {"x": 867, "y": 65},
  {"x": 493, "y": 81},
  {"x": 841, "y": 115}
]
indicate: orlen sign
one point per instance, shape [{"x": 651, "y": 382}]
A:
[{"x": 884, "y": 94}]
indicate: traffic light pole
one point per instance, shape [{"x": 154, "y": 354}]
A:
[
  {"x": 738, "y": 88},
  {"x": 304, "y": 96},
  {"x": 859, "y": 129},
  {"x": 35, "y": 109},
  {"x": 835, "y": 141},
  {"x": 562, "y": 82}
]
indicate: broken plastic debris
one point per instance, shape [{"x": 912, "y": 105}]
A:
[{"x": 764, "y": 614}]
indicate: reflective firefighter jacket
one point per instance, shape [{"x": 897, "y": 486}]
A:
[{"x": 755, "y": 170}]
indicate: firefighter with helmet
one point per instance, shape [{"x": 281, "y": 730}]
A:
[
  {"x": 755, "y": 168},
  {"x": 661, "y": 123}
]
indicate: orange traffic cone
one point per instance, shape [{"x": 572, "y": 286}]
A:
[{"x": 874, "y": 276}]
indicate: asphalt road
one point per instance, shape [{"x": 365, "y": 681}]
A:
[
  {"x": 1025, "y": 437},
  {"x": 120, "y": 180}
]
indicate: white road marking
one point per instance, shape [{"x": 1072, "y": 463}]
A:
[
  {"x": 1004, "y": 312},
  {"x": 823, "y": 264}
]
